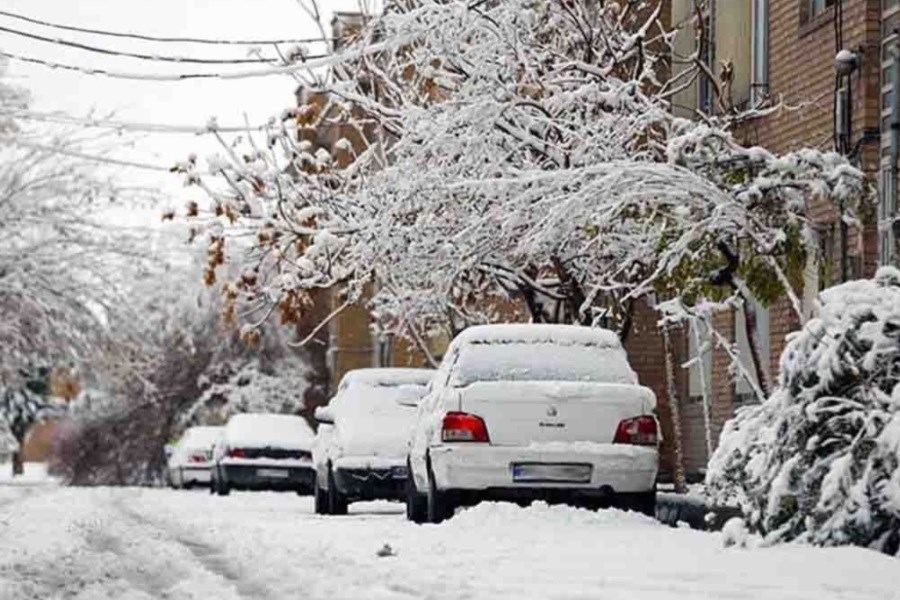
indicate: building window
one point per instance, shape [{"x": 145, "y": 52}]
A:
[
  {"x": 826, "y": 256},
  {"x": 759, "y": 85},
  {"x": 708, "y": 56},
  {"x": 886, "y": 212},
  {"x": 697, "y": 380},
  {"x": 743, "y": 391},
  {"x": 817, "y": 7}
]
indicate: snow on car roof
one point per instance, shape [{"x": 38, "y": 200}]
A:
[
  {"x": 250, "y": 430},
  {"x": 202, "y": 437},
  {"x": 388, "y": 377},
  {"x": 536, "y": 333}
]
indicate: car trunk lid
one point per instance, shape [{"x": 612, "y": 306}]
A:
[{"x": 521, "y": 412}]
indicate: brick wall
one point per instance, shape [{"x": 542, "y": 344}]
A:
[{"x": 646, "y": 353}]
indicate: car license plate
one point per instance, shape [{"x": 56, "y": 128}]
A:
[
  {"x": 398, "y": 472},
  {"x": 273, "y": 473},
  {"x": 551, "y": 473}
]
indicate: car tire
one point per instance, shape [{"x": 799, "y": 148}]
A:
[
  {"x": 644, "y": 503},
  {"x": 222, "y": 487},
  {"x": 337, "y": 502},
  {"x": 416, "y": 503},
  {"x": 321, "y": 501},
  {"x": 439, "y": 506}
]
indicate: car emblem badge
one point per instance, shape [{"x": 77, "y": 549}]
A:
[{"x": 551, "y": 411}]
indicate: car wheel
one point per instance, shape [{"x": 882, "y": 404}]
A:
[
  {"x": 439, "y": 507},
  {"x": 646, "y": 503},
  {"x": 222, "y": 487},
  {"x": 416, "y": 503},
  {"x": 337, "y": 502},
  {"x": 643, "y": 503},
  {"x": 321, "y": 502}
]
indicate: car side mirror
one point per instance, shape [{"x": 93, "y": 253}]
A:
[{"x": 324, "y": 416}]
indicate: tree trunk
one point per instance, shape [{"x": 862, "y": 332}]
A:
[
  {"x": 680, "y": 482},
  {"x": 18, "y": 463}
]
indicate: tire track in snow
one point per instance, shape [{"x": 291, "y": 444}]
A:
[{"x": 207, "y": 556}]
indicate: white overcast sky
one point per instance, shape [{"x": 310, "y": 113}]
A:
[{"x": 189, "y": 102}]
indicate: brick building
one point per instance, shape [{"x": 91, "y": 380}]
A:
[
  {"x": 779, "y": 50},
  {"x": 784, "y": 51}
]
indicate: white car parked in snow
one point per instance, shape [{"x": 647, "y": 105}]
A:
[
  {"x": 525, "y": 412},
  {"x": 361, "y": 446},
  {"x": 190, "y": 457},
  {"x": 264, "y": 452}
]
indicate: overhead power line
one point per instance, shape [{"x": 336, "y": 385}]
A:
[
  {"x": 109, "y": 52},
  {"x": 131, "y": 126},
  {"x": 150, "y": 38},
  {"x": 310, "y": 62},
  {"x": 89, "y": 157},
  {"x": 158, "y": 76}
]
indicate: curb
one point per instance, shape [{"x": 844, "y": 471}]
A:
[{"x": 674, "y": 508}]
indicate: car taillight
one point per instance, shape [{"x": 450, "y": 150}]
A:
[
  {"x": 463, "y": 427},
  {"x": 639, "y": 431},
  {"x": 236, "y": 453},
  {"x": 198, "y": 458}
]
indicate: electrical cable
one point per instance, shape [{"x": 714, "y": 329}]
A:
[
  {"x": 310, "y": 62},
  {"x": 65, "y": 119},
  {"x": 89, "y": 157},
  {"x": 159, "y": 58},
  {"x": 159, "y": 76},
  {"x": 149, "y": 38}
]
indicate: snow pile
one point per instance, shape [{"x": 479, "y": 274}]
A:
[
  {"x": 819, "y": 461},
  {"x": 260, "y": 431}
]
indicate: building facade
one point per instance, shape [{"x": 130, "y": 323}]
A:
[
  {"x": 780, "y": 58},
  {"x": 781, "y": 55}
]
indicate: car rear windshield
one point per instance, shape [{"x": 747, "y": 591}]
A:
[
  {"x": 362, "y": 400},
  {"x": 544, "y": 361}
]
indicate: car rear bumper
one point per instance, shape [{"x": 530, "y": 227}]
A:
[
  {"x": 195, "y": 474},
  {"x": 615, "y": 468},
  {"x": 253, "y": 477},
  {"x": 371, "y": 484}
]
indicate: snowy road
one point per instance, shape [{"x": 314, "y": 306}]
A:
[{"x": 139, "y": 543}]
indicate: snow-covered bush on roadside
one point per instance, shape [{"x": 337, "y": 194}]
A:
[{"x": 819, "y": 461}]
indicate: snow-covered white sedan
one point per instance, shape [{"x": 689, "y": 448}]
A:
[
  {"x": 526, "y": 412},
  {"x": 190, "y": 457},
  {"x": 361, "y": 446},
  {"x": 264, "y": 452}
]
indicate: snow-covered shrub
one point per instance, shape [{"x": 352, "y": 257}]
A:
[{"x": 819, "y": 461}]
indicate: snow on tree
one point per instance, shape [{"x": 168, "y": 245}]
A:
[
  {"x": 230, "y": 388},
  {"x": 167, "y": 364},
  {"x": 819, "y": 461},
  {"x": 515, "y": 149},
  {"x": 60, "y": 263}
]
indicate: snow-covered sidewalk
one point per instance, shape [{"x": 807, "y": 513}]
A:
[{"x": 137, "y": 544}]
